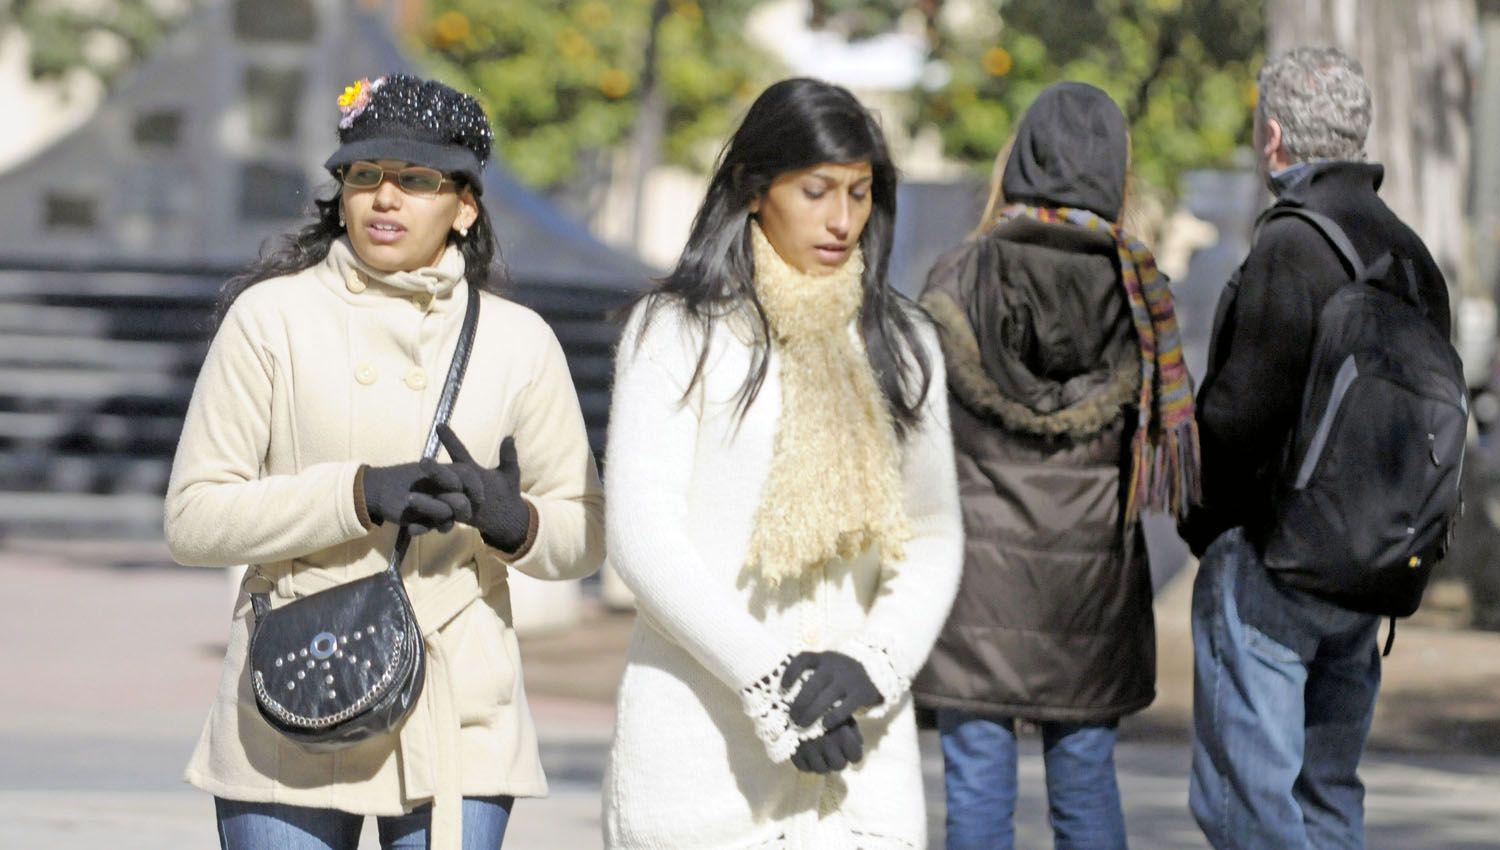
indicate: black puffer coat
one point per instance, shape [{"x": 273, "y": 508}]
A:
[{"x": 1053, "y": 617}]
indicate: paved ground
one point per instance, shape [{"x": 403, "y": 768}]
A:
[{"x": 110, "y": 659}]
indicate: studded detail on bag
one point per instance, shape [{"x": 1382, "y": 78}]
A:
[{"x": 330, "y": 669}]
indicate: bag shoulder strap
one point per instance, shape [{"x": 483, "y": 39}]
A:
[
  {"x": 261, "y": 602},
  {"x": 451, "y": 385}
]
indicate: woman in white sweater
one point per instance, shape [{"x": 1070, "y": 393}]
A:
[
  {"x": 782, "y": 501},
  {"x": 299, "y": 457}
]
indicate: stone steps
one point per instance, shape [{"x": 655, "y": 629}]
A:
[{"x": 114, "y": 516}]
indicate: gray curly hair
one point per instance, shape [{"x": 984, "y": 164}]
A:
[{"x": 1321, "y": 100}]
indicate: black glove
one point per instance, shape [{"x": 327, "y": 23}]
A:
[
  {"x": 500, "y": 514},
  {"x": 838, "y": 686},
  {"x": 409, "y": 495},
  {"x": 840, "y": 747}
]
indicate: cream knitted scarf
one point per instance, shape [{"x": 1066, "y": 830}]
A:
[{"x": 834, "y": 488}]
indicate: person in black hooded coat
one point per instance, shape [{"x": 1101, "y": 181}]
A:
[{"x": 1053, "y": 621}]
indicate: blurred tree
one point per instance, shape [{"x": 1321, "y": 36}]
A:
[
  {"x": 566, "y": 78},
  {"x": 1183, "y": 70},
  {"x": 859, "y": 19},
  {"x": 103, "y": 37}
]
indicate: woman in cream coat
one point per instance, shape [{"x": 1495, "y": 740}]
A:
[
  {"x": 297, "y": 457},
  {"x": 782, "y": 502}
]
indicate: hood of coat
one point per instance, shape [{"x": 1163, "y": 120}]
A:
[
  {"x": 1071, "y": 150},
  {"x": 1034, "y": 329},
  {"x": 1100, "y": 397}
]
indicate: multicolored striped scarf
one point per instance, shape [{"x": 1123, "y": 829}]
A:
[{"x": 1164, "y": 473}]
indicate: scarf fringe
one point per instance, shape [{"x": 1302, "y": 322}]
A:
[
  {"x": 1171, "y": 464},
  {"x": 1165, "y": 454}
]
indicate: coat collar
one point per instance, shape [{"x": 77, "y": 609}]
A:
[
  {"x": 1331, "y": 178},
  {"x": 357, "y": 282}
]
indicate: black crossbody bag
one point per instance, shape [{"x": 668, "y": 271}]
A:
[{"x": 345, "y": 664}]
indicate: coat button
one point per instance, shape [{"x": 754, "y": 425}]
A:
[
  {"x": 355, "y": 282},
  {"x": 365, "y": 374},
  {"x": 416, "y": 378}
]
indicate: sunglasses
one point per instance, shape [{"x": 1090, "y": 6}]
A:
[{"x": 414, "y": 180}]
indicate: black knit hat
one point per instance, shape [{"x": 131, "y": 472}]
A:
[{"x": 422, "y": 122}]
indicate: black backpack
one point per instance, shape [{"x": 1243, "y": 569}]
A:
[{"x": 1368, "y": 497}]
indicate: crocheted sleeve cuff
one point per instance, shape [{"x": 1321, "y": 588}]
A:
[
  {"x": 769, "y": 708},
  {"x": 881, "y": 665}
]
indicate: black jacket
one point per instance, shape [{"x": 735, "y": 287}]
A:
[{"x": 1251, "y": 393}]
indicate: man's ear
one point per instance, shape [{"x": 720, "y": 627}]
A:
[{"x": 1273, "y": 139}]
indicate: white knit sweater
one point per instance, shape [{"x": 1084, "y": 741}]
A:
[{"x": 702, "y": 739}]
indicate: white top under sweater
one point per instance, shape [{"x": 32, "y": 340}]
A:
[{"x": 701, "y": 748}]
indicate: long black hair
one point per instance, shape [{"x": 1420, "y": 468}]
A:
[
  {"x": 306, "y": 247},
  {"x": 797, "y": 124}
]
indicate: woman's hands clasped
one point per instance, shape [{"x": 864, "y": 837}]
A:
[
  {"x": 837, "y": 688},
  {"x": 429, "y": 495},
  {"x": 409, "y": 494}
]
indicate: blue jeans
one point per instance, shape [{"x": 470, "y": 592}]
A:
[
  {"x": 277, "y": 826},
  {"x": 1284, "y": 690},
  {"x": 979, "y": 778}
]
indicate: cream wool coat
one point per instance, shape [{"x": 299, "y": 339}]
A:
[
  {"x": 701, "y": 748},
  {"x": 310, "y": 376}
]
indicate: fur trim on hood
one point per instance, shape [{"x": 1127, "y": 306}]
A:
[{"x": 974, "y": 387}]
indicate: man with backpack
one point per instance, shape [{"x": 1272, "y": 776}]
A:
[{"x": 1332, "y": 422}]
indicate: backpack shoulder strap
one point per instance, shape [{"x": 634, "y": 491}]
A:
[
  {"x": 1324, "y": 225},
  {"x": 1373, "y": 273}
]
